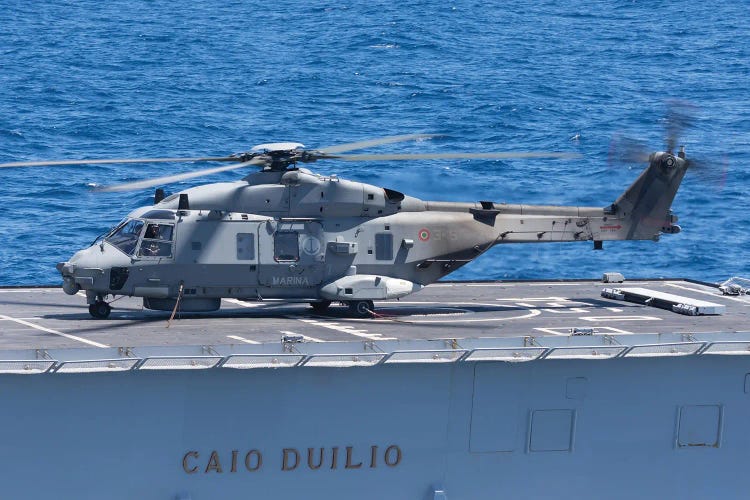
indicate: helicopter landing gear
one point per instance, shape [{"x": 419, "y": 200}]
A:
[
  {"x": 361, "y": 308},
  {"x": 320, "y": 305},
  {"x": 100, "y": 309}
]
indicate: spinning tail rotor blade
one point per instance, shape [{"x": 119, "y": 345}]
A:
[
  {"x": 455, "y": 156},
  {"x": 679, "y": 117},
  {"x": 147, "y": 183},
  {"x": 351, "y": 146},
  {"x": 103, "y": 161}
]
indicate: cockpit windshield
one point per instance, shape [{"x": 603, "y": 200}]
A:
[{"x": 125, "y": 237}]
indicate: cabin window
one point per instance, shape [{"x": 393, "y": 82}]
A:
[
  {"x": 384, "y": 246},
  {"x": 286, "y": 246},
  {"x": 245, "y": 246},
  {"x": 157, "y": 241}
]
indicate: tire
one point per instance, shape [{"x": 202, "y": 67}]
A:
[
  {"x": 361, "y": 308},
  {"x": 100, "y": 310}
]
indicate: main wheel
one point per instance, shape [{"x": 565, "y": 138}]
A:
[
  {"x": 320, "y": 306},
  {"x": 100, "y": 310},
  {"x": 361, "y": 308}
]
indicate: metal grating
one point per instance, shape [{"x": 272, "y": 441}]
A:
[
  {"x": 732, "y": 348},
  {"x": 344, "y": 360},
  {"x": 510, "y": 354},
  {"x": 670, "y": 349},
  {"x": 98, "y": 365},
  {"x": 437, "y": 356},
  {"x": 585, "y": 352},
  {"x": 25, "y": 367},
  {"x": 248, "y": 361},
  {"x": 179, "y": 363}
]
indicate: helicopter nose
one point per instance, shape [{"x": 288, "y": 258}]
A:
[
  {"x": 87, "y": 269},
  {"x": 67, "y": 270}
]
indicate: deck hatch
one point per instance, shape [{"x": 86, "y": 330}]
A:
[
  {"x": 551, "y": 430},
  {"x": 699, "y": 426}
]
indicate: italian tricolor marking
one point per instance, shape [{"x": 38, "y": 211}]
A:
[{"x": 424, "y": 234}]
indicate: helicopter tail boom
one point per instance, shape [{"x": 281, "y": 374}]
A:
[{"x": 642, "y": 212}]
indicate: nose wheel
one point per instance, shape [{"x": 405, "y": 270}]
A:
[{"x": 100, "y": 310}]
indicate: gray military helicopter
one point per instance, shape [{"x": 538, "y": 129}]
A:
[{"x": 285, "y": 232}]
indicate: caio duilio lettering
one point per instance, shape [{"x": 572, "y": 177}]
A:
[{"x": 292, "y": 459}]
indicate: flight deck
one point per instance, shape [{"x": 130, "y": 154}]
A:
[{"x": 46, "y": 318}]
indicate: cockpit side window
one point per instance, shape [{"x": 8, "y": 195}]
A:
[
  {"x": 157, "y": 241},
  {"x": 126, "y": 236}
]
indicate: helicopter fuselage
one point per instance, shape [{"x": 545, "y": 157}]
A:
[{"x": 296, "y": 235}]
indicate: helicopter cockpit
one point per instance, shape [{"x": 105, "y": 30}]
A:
[
  {"x": 125, "y": 236},
  {"x": 156, "y": 239}
]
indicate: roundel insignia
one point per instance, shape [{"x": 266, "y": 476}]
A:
[{"x": 424, "y": 234}]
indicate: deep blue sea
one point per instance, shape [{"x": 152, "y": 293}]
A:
[{"x": 138, "y": 78}]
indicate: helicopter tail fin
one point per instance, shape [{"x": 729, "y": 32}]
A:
[{"x": 644, "y": 208}]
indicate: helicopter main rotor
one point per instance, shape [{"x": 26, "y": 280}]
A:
[{"x": 283, "y": 156}]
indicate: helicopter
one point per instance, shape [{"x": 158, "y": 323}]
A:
[{"x": 285, "y": 232}]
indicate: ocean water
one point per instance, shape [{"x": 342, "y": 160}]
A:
[{"x": 140, "y": 78}]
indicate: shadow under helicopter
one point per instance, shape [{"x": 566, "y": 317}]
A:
[{"x": 403, "y": 313}]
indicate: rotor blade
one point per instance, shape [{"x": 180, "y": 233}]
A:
[
  {"x": 111, "y": 160},
  {"x": 351, "y": 146},
  {"x": 147, "y": 183},
  {"x": 623, "y": 149},
  {"x": 680, "y": 116},
  {"x": 454, "y": 156}
]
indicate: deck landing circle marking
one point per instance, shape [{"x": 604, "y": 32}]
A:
[{"x": 532, "y": 313}]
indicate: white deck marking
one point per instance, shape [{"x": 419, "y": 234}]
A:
[
  {"x": 715, "y": 295},
  {"x": 534, "y": 299},
  {"x": 597, "y": 329},
  {"x": 243, "y": 303},
  {"x": 242, "y": 339},
  {"x": 614, "y": 309},
  {"x": 306, "y": 337},
  {"x": 530, "y": 314},
  {"x": 49, "y": 330},
  {"x": 619, "y": 318},
  {"x": 567, "y": 311},
  {"x": 29, "y": 290},
  {"x": 345, "y": 329}
]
